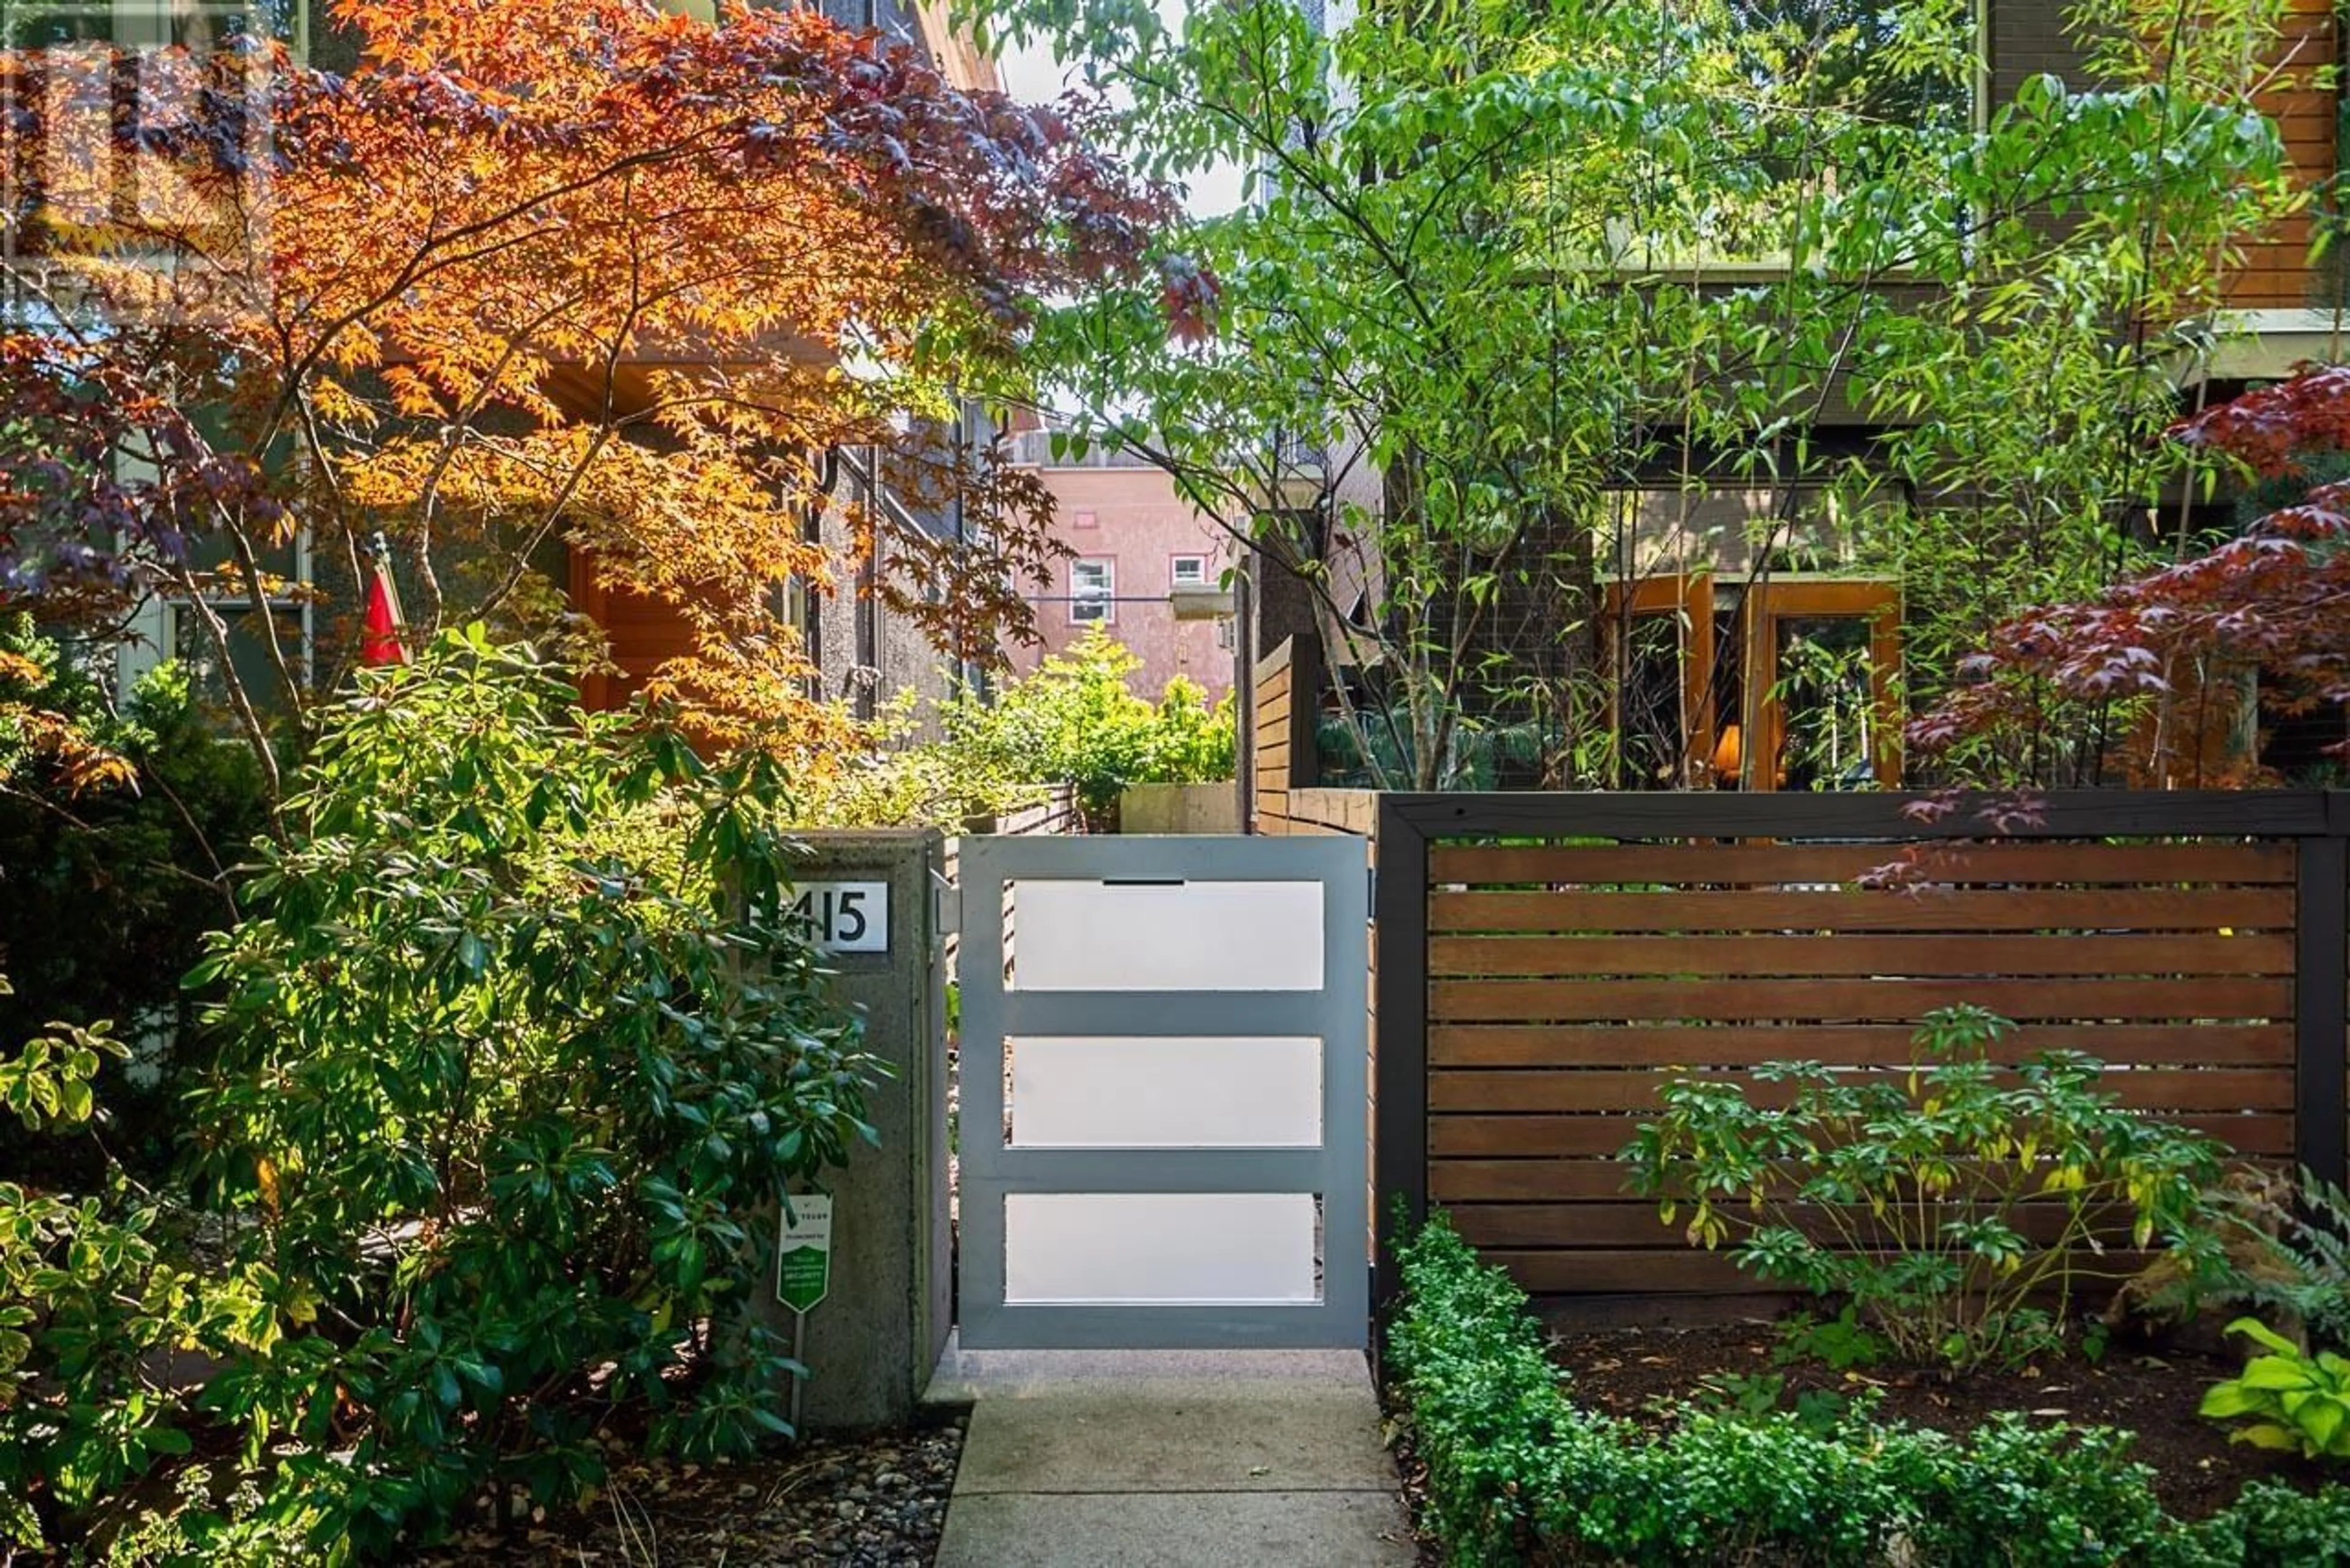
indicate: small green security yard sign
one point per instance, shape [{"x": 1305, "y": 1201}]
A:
[{"x": 804, "y": 1252}]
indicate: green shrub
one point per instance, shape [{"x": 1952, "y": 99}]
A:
[
  {"x": 2286, "y": 1399},
  {"x": 1075, "y": 721},
  {"x": 96, "y": 1295},
  {"x": 516, "y": 1044},
  {"x": 1518, "y": 1474},
  {"x": 1488, "y": 1414},
  {"x": 2019, "y": 1493},
  {"x": 2270, "y": 1526},
  {"x": 1903, "y": 1190},
  {"x": 109, "y": 887},
  {"x": 515, "y": 1047},
  {"x": 904, "y": 780}
]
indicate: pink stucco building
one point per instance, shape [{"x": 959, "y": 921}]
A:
[{"x": 1138, "y": 546}]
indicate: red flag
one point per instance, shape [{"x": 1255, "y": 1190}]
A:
[{"x": 379, "y": 626}]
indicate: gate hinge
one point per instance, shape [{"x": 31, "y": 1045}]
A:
[
  {"x": 1371, "y": 889},
  {"x": 946, "y": 906}
]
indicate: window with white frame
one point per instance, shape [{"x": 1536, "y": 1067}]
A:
[
  {"x": 1188, "y": 572},
  {"x": 1093, "y": 593},
  {"x": 167, "y": 626}
]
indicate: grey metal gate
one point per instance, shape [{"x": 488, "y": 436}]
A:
[{"x": 1180, "y": 1159}]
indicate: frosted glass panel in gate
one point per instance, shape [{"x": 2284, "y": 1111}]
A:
[
  {"x": 1159, "y": 1247},
  {"x": 1168, "y": 936},
  {"x": 1167, "y": 1092}
]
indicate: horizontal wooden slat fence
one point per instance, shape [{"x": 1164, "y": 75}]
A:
[
  {"x": 1548, "y": 961},
  {"x": 1053, "y": 810},
  {"x": 1285, "y": 799}
]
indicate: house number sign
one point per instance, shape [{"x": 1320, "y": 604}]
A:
[{"x": 845, "y": 917}]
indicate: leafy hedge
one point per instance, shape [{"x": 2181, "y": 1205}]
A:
[{"x": 1518, "y": 1474}]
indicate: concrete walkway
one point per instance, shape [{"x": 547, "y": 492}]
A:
[{"x": 1170, "y": 1459}]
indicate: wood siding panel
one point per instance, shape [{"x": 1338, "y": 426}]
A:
[
  {"x": 1724, "y": 865},
  {"x": 1676, "y": 998},
  {"x": 2275, "y": 272},
  {"x": 1544, "y": 1046},
  {"x": 1603, "y": 1136},
  {"x": 1532, "y": 1090}
]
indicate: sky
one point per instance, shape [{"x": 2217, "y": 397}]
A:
[{"x": 1032, "y": 74}]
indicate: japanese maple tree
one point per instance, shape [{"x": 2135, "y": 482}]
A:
[
  {"x": 2162, "y": 662},
  {"x": 534, "y": 271}
]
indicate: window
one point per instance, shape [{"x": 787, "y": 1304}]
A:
[
  {"x": 1660, "y": 651},
  {"x": 165, "y": 626},
  {"x": 196, "y": 24},
  {"x": 99, "y": 61},
  {"x": 1785, "y": 682},
  {"x": 1821, "y": 660},
  {"x": 169, "y": 628},
  {"x": 1188, "y": 572},
  {"x": 256, "y": 674},
  {"x": 1093, "y": 593}
]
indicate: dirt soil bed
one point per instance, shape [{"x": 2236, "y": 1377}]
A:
[{"x": 1627, "y": 1372}]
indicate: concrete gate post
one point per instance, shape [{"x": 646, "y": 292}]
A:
[{"x": 873, "y": 1342}]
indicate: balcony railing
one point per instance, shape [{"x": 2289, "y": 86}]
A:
[{"x": 1034, "y": 448}]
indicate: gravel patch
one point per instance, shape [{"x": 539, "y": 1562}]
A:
[{"x": 879, "y": 1500}]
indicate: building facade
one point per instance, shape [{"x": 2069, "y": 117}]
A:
[
  {"x": 862, "y": 653},
  {"x": 1146, "y": 566}
]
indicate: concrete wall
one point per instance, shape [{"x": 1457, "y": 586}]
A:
[
  {"x": 873, "y": 1343},
  {"x": 1180, "y": 808}
]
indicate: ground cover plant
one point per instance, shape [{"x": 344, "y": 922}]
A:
[
  {"x": 514, "y": 1044},
  {"x": 1519, "y": 1472},
  {"x": 1756, "y": 1367},
  {"x": 2287, "y": 1397}
]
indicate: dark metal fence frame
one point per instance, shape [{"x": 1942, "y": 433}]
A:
[{"x": 2316, "y": 821}]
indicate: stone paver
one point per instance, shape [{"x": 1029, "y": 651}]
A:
[
  {"x": 1172, "y": 1530},
  {"x": 1170, "y": 1458}
]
